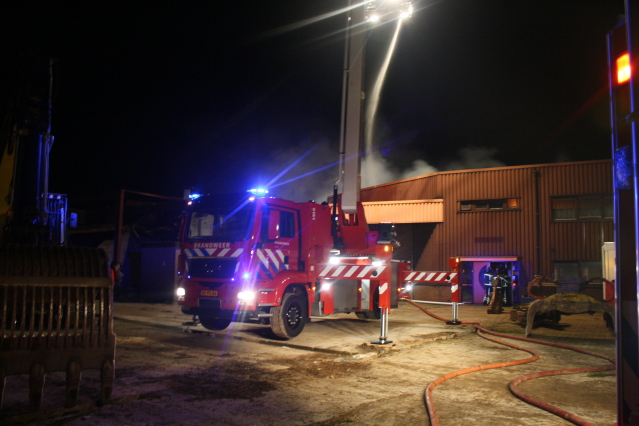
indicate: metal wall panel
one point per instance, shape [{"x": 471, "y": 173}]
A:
[
  {"x": 527, "y": 232},
  {"x": 409, "y": 211}
]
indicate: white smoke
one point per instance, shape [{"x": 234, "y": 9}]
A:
[
  {"x": 474, "y": 158},
  {"x": 314, "y": 176},
  {"x": 376, "y": 170}
]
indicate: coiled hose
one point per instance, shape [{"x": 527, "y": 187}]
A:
[{"x": 481, "y": 331}]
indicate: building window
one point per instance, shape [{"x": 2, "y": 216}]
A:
[
  {"x": 583, "y": 269},
  {"x": 580, "y": 276},
  {"x": 584, "y": 207},
  {"x": 564, "y": 209},
  {"x": 489, "y": 205},
  {"x": 608, "y": 209}
]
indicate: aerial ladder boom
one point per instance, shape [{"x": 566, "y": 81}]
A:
[{"x": 352, "y": 106}]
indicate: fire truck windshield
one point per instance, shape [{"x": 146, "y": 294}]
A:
[{"x": 223, "y": 221}]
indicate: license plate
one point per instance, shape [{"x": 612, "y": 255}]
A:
[{"x": 208, "y": 293}]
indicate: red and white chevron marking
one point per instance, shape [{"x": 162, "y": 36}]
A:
[
  {"x": 360, "y": 272},
  {"x": 430, "y": 277},
  {"x": 268, "y": 256}
]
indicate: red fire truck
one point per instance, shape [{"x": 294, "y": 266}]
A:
[{"x": 256, "y": 257}]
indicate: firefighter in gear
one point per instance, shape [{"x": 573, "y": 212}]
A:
[{"x": 499, "y": 284}]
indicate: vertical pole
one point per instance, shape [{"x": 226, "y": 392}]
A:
[
  {"x": 537, "y": 261},
  {"x": 454, "y": 298},
  {"x": 383, "y": 328},
  {"x": 631, "y": 310},
  {"x": 455, "y": 290},
  {"x": 117, "y": 240},
  {"x": 623, "y": 105},
  {"x": 384, "y": 303}
]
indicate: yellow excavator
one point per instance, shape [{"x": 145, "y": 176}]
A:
[{"x": 55, "y": 300}]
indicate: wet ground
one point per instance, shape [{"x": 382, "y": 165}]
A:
[{"x": 169, "y": 372}]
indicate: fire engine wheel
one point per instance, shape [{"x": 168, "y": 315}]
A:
[
  {"x": 212, "y": 322},
  {"x": 289, "y": 318}
]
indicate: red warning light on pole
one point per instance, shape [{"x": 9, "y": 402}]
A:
[
  {"x": 453, "y": 263},
  {"x": 623, "y": 68}
]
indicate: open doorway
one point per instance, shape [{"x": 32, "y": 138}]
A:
[{"x": 477, "y": 275}]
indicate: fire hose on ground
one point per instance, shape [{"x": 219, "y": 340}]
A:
[{"x": 481, "y": 331}]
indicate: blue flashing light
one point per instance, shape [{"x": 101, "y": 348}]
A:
[
  {"x": 194, "y": 196},
  {"x": 258, "y": 191},
  {"x": 246, "y": 275}
]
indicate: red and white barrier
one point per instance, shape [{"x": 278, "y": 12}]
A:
[{"x": 439, "y": 277}]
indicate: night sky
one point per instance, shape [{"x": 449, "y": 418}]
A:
[{"x": 159, "y": 96}]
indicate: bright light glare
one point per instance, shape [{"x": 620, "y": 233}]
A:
[
  {"x": 246, "y": 275},
  {"x": 373, "y": 18},
  {"x": 326, "y": 286},
  {"x": 258, "y": 191},
  {"x": 246, "y": 296},
  {"x": 623, "y": 68},
  {"x": 194, "y": 196},
  {"x": 377, "y": 263},
  {"x": 333, "y": 260},
  {"x": 406, "y": 11},
  {"x": 180, "y": 292}
]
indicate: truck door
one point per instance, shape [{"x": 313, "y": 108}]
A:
[{"x": 279, "y": 241}]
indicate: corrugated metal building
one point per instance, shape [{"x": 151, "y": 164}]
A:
[{"x": 549, "y": 219}]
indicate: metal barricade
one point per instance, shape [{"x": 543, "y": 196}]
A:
[
  {"x": 438, "y": 278},
  {"x": 55, "y": 323}
]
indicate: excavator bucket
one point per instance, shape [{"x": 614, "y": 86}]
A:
[
  {"x": 566, "y": 303},
  {"x": 56, "y": 314}
]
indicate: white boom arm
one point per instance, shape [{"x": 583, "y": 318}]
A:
[{"x": 352, "y": 106}]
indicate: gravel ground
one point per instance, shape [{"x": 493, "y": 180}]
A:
[{"x": 165, "y": 376}]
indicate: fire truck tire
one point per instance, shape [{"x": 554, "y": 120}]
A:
[
  {"x": 289, "y": 318},
  {"x": 212, "y": 322}
]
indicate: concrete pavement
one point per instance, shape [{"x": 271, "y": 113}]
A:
[{"x": 347, "y": 335}]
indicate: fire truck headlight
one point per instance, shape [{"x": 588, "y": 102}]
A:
[
  {"x": 408, "y": 287},
  {"x": 181, "y": 293},
  {"x": 333, "y": 260},
  {"x": 377, "y": 263},
  {"x": 325, "y": 286},
  {"x": 246, "y": 296}
]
